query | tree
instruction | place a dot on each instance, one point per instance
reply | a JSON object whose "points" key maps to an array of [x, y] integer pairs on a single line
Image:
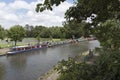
{"points": [[99, 11], [82, 9], [45, 33], [29, 30], [77, 29], [62, 33], [47, 5], [2, 33], [103, 9], [38, 30], [108, 34], [16, 33], [55, 32], [38, 38]]}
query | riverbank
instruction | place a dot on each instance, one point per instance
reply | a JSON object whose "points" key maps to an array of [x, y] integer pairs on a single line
{"points": [[3, 51], [50, 75], [53, 74]]}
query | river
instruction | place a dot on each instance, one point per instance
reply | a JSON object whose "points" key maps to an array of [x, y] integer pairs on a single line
{"points": [[31, 65]]}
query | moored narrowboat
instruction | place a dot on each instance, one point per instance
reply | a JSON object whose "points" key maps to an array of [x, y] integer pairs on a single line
{"points": [[21, 49]]}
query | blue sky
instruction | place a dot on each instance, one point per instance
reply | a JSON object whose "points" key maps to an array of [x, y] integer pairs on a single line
{"points": [[8, 1], [22, 12]]}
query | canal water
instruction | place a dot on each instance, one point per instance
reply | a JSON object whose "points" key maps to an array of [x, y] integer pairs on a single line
{"points": [[31, 65]]}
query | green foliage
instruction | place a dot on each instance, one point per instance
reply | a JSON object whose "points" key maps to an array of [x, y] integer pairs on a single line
{"points": [[47, 5], [16, 33], [56, 32], [77, 29], [71, 70], [2, 33], [29, 30], [106, 67], [38, 38], [105, 13], [103, 9], [38, 30], [46, 32], [98, 10], [108, 34]]}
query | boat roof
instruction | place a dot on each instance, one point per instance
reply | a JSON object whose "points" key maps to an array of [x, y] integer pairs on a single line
{"points": [[20, 46]]}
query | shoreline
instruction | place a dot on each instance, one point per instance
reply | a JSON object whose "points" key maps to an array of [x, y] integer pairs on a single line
{"points": [[3, 51], [52, 74]]}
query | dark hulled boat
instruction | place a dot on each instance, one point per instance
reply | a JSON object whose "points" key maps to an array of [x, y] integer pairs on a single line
{"points": [[21, 49]]}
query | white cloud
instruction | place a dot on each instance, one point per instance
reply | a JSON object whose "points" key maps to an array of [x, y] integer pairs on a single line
{"points": [[62, 8], [11, 17], [20, 12], [19, 4], [2, 5]]}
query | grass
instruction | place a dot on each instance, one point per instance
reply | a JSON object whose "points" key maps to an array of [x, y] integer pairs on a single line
{"points": [[3, 44]]}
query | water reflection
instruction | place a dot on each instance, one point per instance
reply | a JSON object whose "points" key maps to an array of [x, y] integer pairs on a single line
{"points": [[2, 70], [17, 62]]}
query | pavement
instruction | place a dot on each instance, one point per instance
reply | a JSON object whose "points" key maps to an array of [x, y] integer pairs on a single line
{"points": [[3, 51]]}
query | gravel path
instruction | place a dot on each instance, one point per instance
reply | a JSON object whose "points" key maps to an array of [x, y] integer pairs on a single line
{"points": [[3, 51], [51, 75]]}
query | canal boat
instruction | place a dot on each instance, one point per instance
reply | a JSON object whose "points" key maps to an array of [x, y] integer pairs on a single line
{"points": [[52, 44], [21, 49]]}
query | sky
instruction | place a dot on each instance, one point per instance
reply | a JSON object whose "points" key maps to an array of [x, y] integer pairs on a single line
{"points": [[22, 12]]}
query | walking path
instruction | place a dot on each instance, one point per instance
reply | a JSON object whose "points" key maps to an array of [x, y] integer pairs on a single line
{"points": [[3, 51], [50, 75]]}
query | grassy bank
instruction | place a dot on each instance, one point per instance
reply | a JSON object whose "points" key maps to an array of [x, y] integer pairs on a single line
{"points": [[32, 41], [5, 46]]}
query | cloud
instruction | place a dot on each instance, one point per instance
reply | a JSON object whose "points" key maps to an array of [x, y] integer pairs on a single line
{"points": [[21, 12], [19, 4]]}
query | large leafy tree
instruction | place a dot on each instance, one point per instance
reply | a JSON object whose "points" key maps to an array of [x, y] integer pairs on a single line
{"points": [[85, 8], [16, 33], [77, 29], [47, 5], [56, 32], [99, 11], [108, 34], [103, 9], [29, 30], [38, 38], [38, 30]]}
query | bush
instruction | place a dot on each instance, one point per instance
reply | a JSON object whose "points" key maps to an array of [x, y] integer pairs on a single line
{"points": [[106, 67]]}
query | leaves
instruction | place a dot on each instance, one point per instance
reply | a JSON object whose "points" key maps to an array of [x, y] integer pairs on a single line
{"points": [[2, 33], [38, 7], [16, 33], [108, 34], [106, 67], [47, 5]]}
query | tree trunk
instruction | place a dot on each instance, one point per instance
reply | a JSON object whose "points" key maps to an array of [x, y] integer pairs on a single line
{"points": [[15, 43]]}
